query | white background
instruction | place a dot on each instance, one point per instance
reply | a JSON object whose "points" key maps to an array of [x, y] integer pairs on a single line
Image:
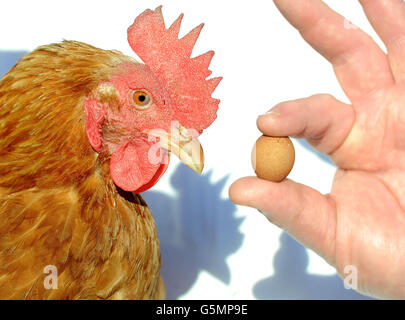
{"points": [[212, 248]]}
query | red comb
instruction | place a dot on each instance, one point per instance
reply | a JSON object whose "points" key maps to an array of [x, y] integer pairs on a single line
{"points": [[169, 59]]}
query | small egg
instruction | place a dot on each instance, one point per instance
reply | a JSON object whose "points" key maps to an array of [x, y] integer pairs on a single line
{"points": [[273, 158]]}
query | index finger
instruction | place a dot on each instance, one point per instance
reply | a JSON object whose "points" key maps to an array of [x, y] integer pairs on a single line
{"points": [[360, 65]]}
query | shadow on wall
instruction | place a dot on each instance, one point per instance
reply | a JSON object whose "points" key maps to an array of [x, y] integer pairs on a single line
{"points": [[9, 59], [291, 280], [197, 229]]}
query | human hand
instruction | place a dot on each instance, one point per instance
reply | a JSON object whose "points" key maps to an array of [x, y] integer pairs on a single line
{"points": [[361, 222]]}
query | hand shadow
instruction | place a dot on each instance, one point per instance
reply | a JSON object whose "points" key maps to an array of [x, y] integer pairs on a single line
{"points": [[291, 280], [197, 229]]}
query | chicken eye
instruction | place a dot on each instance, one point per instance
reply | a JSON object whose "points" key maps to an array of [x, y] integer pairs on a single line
{"points": [[142, 99]]}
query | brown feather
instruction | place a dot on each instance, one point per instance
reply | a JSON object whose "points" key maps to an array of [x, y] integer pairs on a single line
{"points": [[58, 204]]}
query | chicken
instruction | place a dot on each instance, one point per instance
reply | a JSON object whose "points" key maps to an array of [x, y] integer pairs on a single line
{"points": [[82, 132]]}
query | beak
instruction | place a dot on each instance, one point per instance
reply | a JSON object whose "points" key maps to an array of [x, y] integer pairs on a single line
{"points": [[180, 142]]}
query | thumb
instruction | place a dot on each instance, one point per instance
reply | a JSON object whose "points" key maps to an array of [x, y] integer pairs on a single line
{"points": [[303, 212]]}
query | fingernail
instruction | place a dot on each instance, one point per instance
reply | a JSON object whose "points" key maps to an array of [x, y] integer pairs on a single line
{"points": [[270, 113]]}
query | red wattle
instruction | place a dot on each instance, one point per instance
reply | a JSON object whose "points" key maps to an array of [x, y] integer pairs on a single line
{"points": [[159, 173], [132, 170]]}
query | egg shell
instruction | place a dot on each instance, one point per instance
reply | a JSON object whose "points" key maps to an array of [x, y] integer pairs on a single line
{"points": [[273, 158]]}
